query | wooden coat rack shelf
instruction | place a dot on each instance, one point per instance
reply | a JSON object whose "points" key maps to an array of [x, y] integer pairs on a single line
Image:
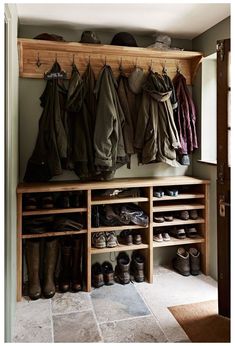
{"points": [[37, 57]]}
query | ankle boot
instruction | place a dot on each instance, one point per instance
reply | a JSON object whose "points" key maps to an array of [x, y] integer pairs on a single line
{"points": [[76, 277], [122, 269], [50, 260], [137, 266], [181, 262], [65, 273], [33, 264]]}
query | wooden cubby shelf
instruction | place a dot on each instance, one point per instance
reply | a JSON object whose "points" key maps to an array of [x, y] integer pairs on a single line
{"points": [[196, 189], [52, 234], [53, 211], [179, 222], [119, 248], [179, 242]]}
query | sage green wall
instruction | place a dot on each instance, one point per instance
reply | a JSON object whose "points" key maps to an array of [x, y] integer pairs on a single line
{"points": [[206, 43], [11, 165]]}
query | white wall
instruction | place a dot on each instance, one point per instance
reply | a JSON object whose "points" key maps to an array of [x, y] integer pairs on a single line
{"points": [[11, 165]]}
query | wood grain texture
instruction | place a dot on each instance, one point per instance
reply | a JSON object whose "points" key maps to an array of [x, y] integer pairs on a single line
{"points": [[179, 242], [81, 53]]}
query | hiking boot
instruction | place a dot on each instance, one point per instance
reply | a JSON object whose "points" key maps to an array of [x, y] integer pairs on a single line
{"points": [[194, 257], [122, 269], [137, 266], [178, 233], [111, 239], [193, 214], [50, 260], [97, 275], [108, 273], [99, 240], [126, 237], [33, 264], [137, 238], [181, 262]]}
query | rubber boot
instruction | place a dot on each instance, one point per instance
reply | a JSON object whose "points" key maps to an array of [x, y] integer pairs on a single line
{"points": [[33, 265], [65, 273], [76, 277], [50, 260]]}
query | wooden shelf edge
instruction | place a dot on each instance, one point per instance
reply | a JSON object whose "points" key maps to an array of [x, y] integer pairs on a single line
{"points": [[178, 222], [119, 248], [177, 207], [119, 200], [52, 234], [179, 197], [178, 242], [53, 211], [116, 228]]}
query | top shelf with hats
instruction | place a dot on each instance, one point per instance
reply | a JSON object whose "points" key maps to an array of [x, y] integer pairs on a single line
{"points": [[37, 57]]}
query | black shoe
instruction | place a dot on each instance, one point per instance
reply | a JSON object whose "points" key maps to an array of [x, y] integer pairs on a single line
{"points": [[126, 237], [108, 273]]}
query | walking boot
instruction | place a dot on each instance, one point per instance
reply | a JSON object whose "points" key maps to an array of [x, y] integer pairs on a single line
{"points": [[137, 266], [65, 272], [76, 277], [181, 262], [33, 265], [50, 260], [194, 257], [122, 269]]}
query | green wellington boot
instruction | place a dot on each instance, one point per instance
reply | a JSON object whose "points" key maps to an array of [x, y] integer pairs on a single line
{"points": [[50, 260], [33, 265]]}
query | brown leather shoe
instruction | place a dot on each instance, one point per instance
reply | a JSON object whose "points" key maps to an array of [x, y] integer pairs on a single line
{"points": [[137, 266], [97, 275], [108, 273]]}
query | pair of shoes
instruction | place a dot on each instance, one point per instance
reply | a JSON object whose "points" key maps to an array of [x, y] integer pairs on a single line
{"points": [[187, 262], [102, 274], [69, 200], [160, 236], [70, 273], [185, 215], [33, 203], [181, 233], [104, 239], [129, 237], [38, 224], [162, 218], [125, 268], [160, 192]]}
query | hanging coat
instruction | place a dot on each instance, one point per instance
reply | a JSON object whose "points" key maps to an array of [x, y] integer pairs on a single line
{"points": [[81, 124], [127, 101], [50, 150], [186, 116], [108, 139], [156, 137]]}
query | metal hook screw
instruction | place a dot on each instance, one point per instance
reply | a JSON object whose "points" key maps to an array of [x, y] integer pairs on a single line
{"points": [[38, 62]]}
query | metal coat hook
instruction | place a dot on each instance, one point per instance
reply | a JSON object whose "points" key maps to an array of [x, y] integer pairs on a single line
{"points": [[120, 65], [164, 69], [73, 62], [178, 67], [38, 62], [105, 60]]}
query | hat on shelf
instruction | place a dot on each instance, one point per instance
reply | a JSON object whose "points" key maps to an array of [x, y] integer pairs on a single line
{"points": [[89, 37], [124, 39], [162, 42], [49, 37]]}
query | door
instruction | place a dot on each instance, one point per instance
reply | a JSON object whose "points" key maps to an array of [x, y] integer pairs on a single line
{"points": [[223, 175]]}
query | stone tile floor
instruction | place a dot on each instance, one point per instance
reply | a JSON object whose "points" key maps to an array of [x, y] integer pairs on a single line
{"points": [[132, 313]]}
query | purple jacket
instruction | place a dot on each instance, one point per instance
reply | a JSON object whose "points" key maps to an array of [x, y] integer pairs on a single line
{"points": [[185, 116]]}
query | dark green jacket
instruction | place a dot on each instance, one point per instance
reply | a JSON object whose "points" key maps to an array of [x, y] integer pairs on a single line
{"points": [[108, 138], [50, 151], [156, 137]]}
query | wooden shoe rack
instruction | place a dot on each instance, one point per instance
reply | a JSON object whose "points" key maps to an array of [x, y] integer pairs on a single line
{"points": [[193, 194]]}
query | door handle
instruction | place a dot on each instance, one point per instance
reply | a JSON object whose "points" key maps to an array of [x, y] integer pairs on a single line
{"points": [[222, 205]]}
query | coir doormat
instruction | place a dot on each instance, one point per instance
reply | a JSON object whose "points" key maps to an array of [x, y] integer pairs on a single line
{"points": [[201, 321]]}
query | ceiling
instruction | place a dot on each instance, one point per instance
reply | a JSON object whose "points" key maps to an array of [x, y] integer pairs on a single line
{"points": [[185, 20]]}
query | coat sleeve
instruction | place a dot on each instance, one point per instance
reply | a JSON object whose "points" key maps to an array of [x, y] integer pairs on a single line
{"points": [[142, 121], [105, 134]]}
